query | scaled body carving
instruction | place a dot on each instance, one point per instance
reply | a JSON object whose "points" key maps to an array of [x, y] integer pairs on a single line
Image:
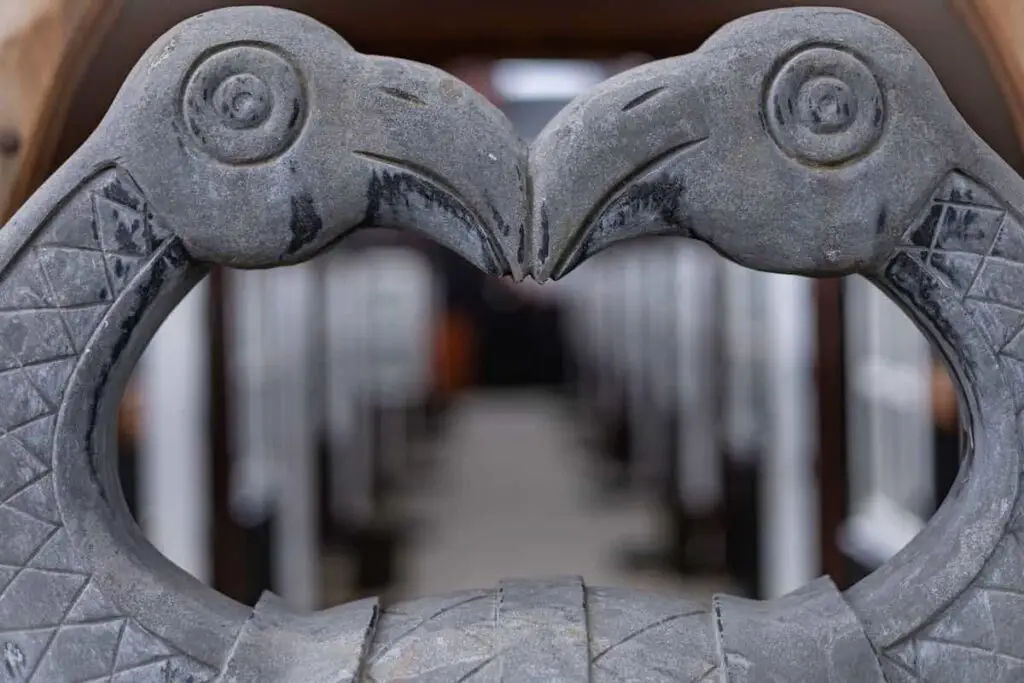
{"points": [[807, 141]]}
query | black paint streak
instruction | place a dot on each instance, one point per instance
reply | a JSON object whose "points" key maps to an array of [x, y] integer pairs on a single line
{"points": [[627, 197], [924, 234], [296, 110], [402, 95], [17, 660], [716, 606], [661, 196], [125, 234], [393, 187], [116, 192], [440, 190], [544, 249], [883, 218], [961, 230], [925, 295], [499, 221], [521, 252], [637, 101], [305, 223], [962, 195], [145, 293], [879, 113]]}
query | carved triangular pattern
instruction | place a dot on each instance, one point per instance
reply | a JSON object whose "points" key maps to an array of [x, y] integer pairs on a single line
{"points": [[988, 274], [54, 623]]}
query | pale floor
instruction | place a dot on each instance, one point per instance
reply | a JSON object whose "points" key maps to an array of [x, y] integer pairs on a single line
{"points": [[514, 497]]}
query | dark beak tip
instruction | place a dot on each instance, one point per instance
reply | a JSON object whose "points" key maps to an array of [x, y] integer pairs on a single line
{"points": [[539, 278], [548, 270], [516, 272]]}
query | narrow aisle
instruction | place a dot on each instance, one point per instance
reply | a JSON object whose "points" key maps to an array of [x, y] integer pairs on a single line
{"points": [[513, 498]]}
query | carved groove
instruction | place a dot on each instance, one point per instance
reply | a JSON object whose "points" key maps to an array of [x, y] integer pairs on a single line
{"points": [[478, 224], [640, 99], [824, 106], [578, 240], [400, 94], [953, 235], [244, 103], [49, 275]]}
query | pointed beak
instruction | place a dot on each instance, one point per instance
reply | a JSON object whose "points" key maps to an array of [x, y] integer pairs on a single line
{"points": [[443, 161], [613, 166]]}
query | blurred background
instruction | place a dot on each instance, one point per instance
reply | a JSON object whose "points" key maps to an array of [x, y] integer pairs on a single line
{"points": [[387, 420]]}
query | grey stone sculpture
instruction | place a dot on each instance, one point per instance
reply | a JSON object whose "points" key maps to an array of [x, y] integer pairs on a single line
{"points": [[809, 141]]}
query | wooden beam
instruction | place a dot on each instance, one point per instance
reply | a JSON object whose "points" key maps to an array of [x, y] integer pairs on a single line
{"points": [[44, 48], [440, 33], [998, 26], [832, 457], [527, 27]]}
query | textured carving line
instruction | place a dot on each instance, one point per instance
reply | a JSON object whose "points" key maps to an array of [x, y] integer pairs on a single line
{"points": [[1008, 227], [578, 240], [65, 269]]}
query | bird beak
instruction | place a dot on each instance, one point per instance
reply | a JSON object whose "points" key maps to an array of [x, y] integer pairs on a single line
{"points": [[613, 165], [443, 161]]}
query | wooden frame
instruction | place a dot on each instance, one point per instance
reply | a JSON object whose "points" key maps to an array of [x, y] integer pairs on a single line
{"points": [[45, 47], [998, 26]]}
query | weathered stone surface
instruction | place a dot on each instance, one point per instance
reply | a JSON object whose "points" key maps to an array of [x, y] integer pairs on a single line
{"points": [[279, 645], [811, 141], [811, 634]]}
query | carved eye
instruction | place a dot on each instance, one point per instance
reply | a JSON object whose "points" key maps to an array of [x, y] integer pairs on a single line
{"points": [[244, 103], [824, 107]]}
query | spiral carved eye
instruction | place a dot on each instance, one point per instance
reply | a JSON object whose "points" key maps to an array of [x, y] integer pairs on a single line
{"points": [[244, 104], [824, 107]]}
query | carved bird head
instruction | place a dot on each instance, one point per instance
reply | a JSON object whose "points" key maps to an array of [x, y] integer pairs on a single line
{"points": [[263, 137], [799, 141]]}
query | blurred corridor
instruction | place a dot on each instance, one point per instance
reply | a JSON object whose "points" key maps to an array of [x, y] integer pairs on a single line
{"points": [[514, 496]]}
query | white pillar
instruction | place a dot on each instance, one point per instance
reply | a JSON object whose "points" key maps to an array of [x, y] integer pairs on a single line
{"points": [[601, 301], [253, 482], [790, 495], [890, 436], [289, 329], [348, 431], [700, 472], [174, 457], [743, 418], [634, 338], [400, 309]]}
